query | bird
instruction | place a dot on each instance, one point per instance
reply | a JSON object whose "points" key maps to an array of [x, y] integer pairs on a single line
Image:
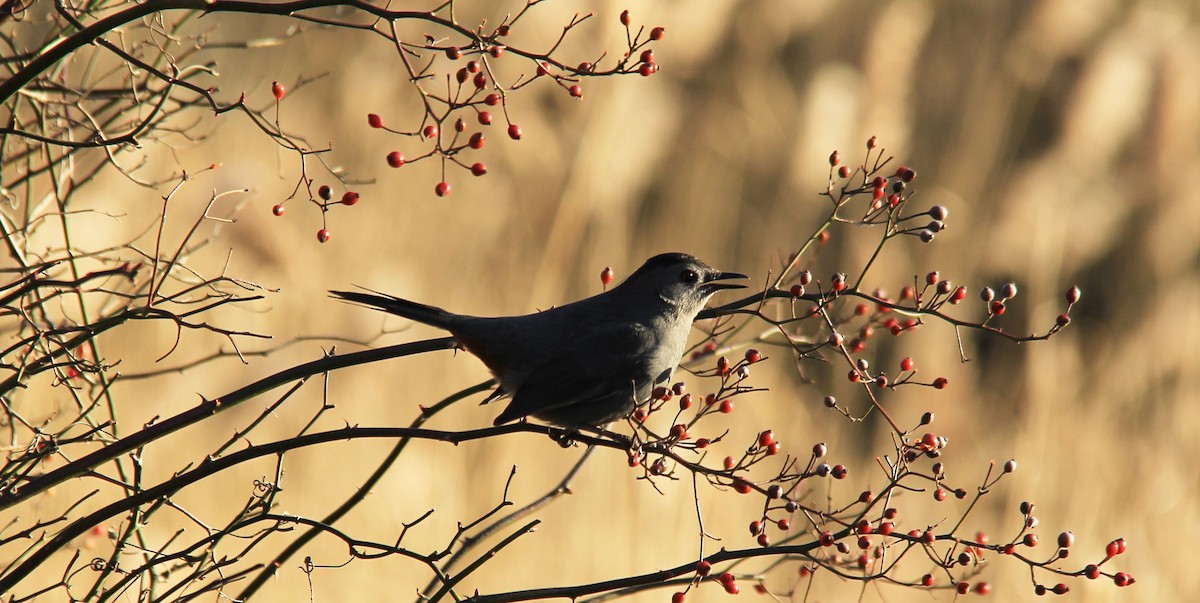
{"points": [[589, 362]]}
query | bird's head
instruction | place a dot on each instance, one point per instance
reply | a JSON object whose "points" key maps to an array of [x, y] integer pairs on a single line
{"points": [[680, 280]]}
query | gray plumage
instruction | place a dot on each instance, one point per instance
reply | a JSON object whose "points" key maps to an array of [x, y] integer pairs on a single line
{"points": [[588, 362]]}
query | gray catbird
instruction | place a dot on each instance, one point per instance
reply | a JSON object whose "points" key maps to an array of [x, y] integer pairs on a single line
{"points": [[589, 362]]}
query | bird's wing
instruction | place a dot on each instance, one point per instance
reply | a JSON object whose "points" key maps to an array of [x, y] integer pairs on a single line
{"points": [[596, 366]]}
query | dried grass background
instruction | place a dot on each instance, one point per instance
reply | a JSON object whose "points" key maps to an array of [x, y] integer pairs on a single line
{"points": [[1061, 134]]}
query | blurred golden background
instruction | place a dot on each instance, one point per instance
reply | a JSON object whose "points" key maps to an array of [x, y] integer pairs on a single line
{"points": [[1062, 135]]}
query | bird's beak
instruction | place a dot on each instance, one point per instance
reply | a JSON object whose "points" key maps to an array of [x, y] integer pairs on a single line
{"points": [[712, 286]]}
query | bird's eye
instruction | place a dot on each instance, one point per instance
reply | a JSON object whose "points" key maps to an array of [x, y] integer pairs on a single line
{"points": [[689, 276]]}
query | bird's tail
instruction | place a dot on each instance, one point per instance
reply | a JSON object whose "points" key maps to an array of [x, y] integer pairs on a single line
{"points": [[422, 313]]}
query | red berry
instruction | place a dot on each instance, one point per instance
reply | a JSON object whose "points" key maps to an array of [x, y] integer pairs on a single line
{"points": [[766, 438], [453, 53], [871, 143], [959, 295], [685, 402], [679, 431], [963, 587], [927, 580], [278, 210], [677, 597], [844, 172], [478, 169], [834, 159], [1073, 295], [657, 33], [839, 472], [514, 132], [726, 406], [496, 51], [476, 141], [931, 278], [625, 18], [1123, 579], [783, 525], [480, 80], [927, 537], [1062, 320], [764, 540], [728, 463], [374, 120], [929, 441], [1115, 547], [395, 159], [906, 364], [996, 307], [325, 192], [703, 568], [278, 90], [723, 365], [460, 125], [647, 56], [982, 588], [742, 487], [430, 131], [647, 69], [323, 235], [503, 30], [826, 538], [606, 276], [576, 91], [753, 356], [349, 198], [485, 118], [492, 99], [1030, 540], [797, 290], [1066, 539], [442, 189], [940, 383], [473, 66], [1060, 589]]}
